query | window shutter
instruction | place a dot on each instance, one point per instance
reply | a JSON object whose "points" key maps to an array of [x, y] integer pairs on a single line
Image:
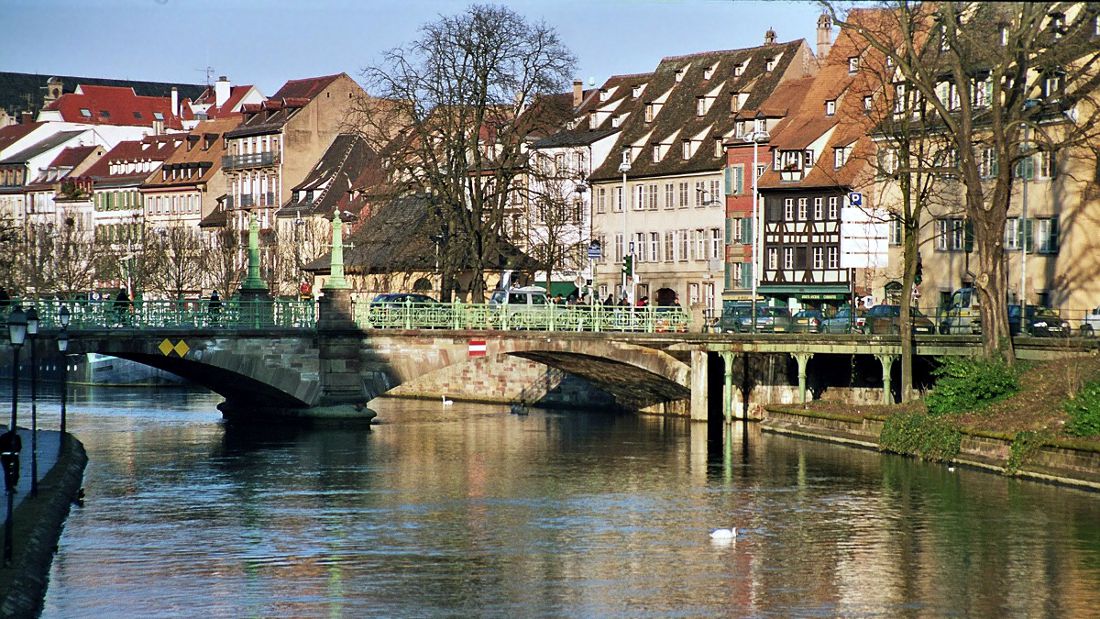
{"points": [[1027, 244], [746, 275], [729, 232], [968, 237], [729, 272], [746, 230], [994, 166], [1052, 245], [728, 175]]}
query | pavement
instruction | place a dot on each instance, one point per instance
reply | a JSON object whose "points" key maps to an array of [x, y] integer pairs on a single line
{"points": [[49, 444]]}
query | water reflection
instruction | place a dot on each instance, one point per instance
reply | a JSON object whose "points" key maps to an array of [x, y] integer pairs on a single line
{"points": [[470, 510]]}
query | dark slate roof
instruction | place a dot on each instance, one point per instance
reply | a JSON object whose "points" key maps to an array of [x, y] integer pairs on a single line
{"points": [[677, 119], [574, 137], [331, 179], [397, 239], [38, 148], [14, 87]]}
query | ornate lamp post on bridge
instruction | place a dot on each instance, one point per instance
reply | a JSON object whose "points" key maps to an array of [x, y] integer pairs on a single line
{"points": [[32, 331], [9, 452], [63, 347], [628, 250], [17, 333]]}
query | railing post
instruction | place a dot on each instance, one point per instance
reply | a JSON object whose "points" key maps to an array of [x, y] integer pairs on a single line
{"points": [[553, 309], [408, 313], [456, 313]]}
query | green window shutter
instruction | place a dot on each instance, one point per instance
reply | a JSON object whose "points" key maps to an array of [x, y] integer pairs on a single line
{"points": [[968, 236], [1052, 245], [729, 276], [729, 231], [995, 167], [1027, 244], [739, 180], [728, 176], [746, 275], [746, 230]]}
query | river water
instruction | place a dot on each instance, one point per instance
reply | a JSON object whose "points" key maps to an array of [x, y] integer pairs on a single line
{"points": [[468, 510]]}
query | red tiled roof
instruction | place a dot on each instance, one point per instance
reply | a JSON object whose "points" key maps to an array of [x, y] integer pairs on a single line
{"points": [[13, 133], [305, 88], [150, 148], [72, 156], [121, 105]]}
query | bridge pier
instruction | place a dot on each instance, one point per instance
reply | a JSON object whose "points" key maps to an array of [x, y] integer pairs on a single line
{"points": [[803, 359], [699, 400], [727, 386], [887, 362]]}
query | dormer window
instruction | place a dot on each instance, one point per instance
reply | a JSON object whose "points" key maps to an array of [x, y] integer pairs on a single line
{"points": [[1004, 36], [853, 64], [636, 91], [1058, 24], [656, 153], [889, 61], [735, 102], [592, 121], [158, 116], [700, 106], [679, 75], [868, 102], [603, 94], [761, 124], [718, 147], [616, 120], [769, 64], [1052, 85], [830, 107], [738, 69], [740, 128], [686, 149], [840, 156], [708, 72], [85, 112], [649, 112]]}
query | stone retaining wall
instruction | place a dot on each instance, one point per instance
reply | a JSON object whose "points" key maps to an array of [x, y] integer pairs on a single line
{"points": [[1060, 464], [38, 523]]}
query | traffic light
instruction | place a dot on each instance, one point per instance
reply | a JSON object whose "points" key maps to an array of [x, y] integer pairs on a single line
{"points": [[628, 266]]}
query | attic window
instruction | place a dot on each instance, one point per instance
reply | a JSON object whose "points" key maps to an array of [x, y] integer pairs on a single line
{"points": [[158, 116], [593, 122], [603, 94], [656, 153], [679, 75], [718, 150], [830, 107], [649, 112], [708, 72], [700, 106], [735, 102], [104, 114], [616, 120], [1058, 24], [853, 64], [769, 64], [637, 90], [1004, 36], [137, 115], [738, 69], [686, 149], [85, 112], [867, 103], [840, 156]]}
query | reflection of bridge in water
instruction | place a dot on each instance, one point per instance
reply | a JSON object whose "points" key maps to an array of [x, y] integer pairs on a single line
{"points": [[280, 358]]}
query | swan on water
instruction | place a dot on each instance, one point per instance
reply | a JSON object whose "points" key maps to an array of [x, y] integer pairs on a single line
{"points": [[447, 402], [729, 533]]}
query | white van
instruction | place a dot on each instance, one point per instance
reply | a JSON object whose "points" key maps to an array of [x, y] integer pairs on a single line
{"points": [[525, 296]]}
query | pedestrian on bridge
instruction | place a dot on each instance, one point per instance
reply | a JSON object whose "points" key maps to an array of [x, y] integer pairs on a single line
{"points": [[215, 307], [122, 307]]}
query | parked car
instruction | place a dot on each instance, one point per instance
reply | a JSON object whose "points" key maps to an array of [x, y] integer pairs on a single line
{"points": [[527, 295], [842, 322], [883, 319], [1046, 322], [735, 318], [1014, 321], [773, 320], [807, 321], [1091, 324], [398, 299]]}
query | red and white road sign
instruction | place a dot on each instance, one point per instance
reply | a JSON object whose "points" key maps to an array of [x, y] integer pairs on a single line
{"points": [[477, 348]]}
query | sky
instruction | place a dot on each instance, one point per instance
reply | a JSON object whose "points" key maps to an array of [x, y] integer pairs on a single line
{"points": [[266, 43]]}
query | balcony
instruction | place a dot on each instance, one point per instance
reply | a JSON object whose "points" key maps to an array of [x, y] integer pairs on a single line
{"points": [[252, 160]]}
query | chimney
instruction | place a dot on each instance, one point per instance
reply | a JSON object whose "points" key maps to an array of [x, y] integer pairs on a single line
{"points": [[769, 37], [26, 118], [221, 92], [578, 93], [824, 36], [175, 102]]}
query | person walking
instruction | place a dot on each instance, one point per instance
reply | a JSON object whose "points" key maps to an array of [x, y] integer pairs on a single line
{"points": [[214, 307], [122, 306], [10, 446]]}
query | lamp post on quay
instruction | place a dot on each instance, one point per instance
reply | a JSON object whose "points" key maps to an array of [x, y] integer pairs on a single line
{"points": [[63, 347], [628, 250], [17, 332], [756, 137], [32, 331]]}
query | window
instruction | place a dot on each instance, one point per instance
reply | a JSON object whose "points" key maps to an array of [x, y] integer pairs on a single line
{"points": [[616, 120], [983, 92], [1012, 234], [868, 103], [619, 247], [712, 195], [718, 150], [649, 112], [85, 112], [670, 246], [834, 257], [1004, 36], [1052, 85], [833, 204], [715, 243], [700, 193], [638, 246], [708, 72], [686, 149], [700, 236], [701, 106], [601, 200], [740, 128], [840, 156], [559, 163], [656, 153], [853, 64], [639, 197], [788, 257], [808, 158], [802, 209], [679, 75], [735, 102], [738, 69], [655, 246], [830, 107], [1048, 235], [137, 115], [769, 64], [158, 116], [652, 191], [773, 256], [670, 196], [987, 166], [788, 209], [818, 208], [952, 235], [760, 124], [895, 231], [618, 199], [1047, 166], [683, 195], [637, 90], [604, 94], [735, 180], [684, 245], [819, 258]]}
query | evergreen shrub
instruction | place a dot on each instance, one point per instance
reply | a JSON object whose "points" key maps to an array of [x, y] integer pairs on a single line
{"points": [[1084, 411], [967, 383]]}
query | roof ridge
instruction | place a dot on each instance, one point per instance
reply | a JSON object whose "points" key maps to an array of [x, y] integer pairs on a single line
{"points": [[729, 51]]}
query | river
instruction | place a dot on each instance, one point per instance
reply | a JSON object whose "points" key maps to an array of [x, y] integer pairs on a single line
{"points": [[468, 510]]}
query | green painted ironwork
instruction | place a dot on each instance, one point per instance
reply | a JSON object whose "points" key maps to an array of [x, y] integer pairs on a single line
{"points": [[253, 281], [178, 313], [336, 279], [549, 317]]}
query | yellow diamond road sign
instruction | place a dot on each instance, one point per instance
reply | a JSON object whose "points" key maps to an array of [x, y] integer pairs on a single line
{"points": [[165, 347], [182, 348]]}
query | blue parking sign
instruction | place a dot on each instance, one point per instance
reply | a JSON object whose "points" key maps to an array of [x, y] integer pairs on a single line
{"points": [[855, 198]]}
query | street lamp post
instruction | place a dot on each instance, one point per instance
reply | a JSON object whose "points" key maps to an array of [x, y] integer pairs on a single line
{"points": [[32, 331], [756, 137], [17, 333], [63, 347], [628, 274]]}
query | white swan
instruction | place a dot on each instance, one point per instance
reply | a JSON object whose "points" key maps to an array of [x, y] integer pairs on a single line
{"points": [[447, 402], [729, 533]]}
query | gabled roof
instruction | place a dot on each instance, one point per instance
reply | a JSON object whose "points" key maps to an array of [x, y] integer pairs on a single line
{"points": [[203, 147], [306, 88], [208, 97], [325, 189], [13, 133], [150, 148], [676, 86], [16, 87], [72, 156], [38, 148], [574, 137], [114, 105]]}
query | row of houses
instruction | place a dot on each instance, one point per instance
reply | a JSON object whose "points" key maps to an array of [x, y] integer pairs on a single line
{"points": [[675, 184]]}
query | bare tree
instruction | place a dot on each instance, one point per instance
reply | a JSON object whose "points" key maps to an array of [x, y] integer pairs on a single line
{"points": [[223, 260], [76, 257], [1001, 72], [556, 217], [460, 98], [177, 256]]}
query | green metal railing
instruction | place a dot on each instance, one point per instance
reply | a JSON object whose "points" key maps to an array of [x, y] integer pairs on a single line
{"points": [[549, 317], [294, 314], [181, 313]]}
